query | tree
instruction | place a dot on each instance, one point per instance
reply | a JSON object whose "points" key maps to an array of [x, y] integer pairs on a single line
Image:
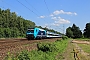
{"points": [[74, 32], [12, 25], [87, 31], [69, 32], [1, 33]]}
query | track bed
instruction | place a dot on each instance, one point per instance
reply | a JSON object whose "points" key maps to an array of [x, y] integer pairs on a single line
{"points": [[17, 45]]}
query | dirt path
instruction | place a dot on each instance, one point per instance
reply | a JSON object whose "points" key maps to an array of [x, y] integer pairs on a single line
{"points": [[17, 45], [75, 52], [68, 54], [81, 53]]}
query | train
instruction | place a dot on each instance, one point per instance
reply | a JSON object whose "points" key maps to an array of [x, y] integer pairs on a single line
{"points": [[38, 33]]}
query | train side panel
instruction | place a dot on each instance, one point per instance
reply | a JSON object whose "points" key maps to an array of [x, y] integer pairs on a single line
{"points": [[40, 33], [36, 33]]}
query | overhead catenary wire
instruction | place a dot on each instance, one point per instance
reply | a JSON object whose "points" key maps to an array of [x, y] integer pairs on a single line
{"points": [[47, 6], [28, 8], [21, 4], [9, 5], [49, 12], [63, 28], [32, 6], [3, 6], [35, 9]]}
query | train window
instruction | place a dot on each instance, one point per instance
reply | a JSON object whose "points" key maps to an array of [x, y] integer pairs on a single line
{"points": [[36, 30], [43, 32], [30, 31], [39, 33]]}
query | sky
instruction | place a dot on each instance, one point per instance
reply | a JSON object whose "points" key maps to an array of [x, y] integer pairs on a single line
{"points": [[53, 14]]}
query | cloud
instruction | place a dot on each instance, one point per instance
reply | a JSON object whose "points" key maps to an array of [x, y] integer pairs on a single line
{"points": [[54, 24], [47, 26], [62, 21], [75, 13], [59, 20], [54, 18], [42, 17], [57, 12], [51, 15]]}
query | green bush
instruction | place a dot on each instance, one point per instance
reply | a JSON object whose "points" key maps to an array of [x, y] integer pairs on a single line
{"points": [[10, 57], [46, 47], [64, 37], [23, 56]]}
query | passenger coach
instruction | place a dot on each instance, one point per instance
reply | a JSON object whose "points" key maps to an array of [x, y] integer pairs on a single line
{"points": [[37, 33]]}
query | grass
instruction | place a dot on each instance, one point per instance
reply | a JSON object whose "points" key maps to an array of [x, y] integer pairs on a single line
{"points": [[83, 39], [85, 47], [53, 51]]}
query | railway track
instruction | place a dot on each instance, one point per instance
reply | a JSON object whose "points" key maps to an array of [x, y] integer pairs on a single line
{"points": [[17, 45]]}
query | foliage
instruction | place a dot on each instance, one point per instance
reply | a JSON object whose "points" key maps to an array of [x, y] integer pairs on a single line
{"points": [[9, 57], [73, 32], [64, 37], [50, 30], [55, 48], [46, 47], [12, 25], [85, 47], [87, 31], [69, 32], [24, 55]]}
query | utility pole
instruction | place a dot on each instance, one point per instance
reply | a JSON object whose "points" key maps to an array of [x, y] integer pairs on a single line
{"points": [[63, 29]]}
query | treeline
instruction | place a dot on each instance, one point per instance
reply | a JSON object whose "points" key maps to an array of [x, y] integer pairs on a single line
{"points": [[12, 25], [51, 30], [75, 32]]}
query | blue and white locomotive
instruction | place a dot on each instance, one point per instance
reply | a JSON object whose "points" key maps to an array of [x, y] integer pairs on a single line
{"points": [[37, 33]]}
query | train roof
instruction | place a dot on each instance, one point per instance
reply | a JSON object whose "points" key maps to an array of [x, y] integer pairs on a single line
{"points": [[36, 28], [41, 29], [52, 33]]}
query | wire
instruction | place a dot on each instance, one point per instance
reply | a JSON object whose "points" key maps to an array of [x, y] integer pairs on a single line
{"points": [[32, 6], [8, 4], [46, 6], [28, 8], [34, 9], [3, 7]]}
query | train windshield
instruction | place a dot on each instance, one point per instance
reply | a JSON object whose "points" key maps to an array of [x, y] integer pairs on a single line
{"points": [[30, 31]]}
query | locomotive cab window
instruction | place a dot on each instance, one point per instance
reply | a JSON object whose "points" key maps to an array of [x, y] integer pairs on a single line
{"points": [[30, 31]]}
